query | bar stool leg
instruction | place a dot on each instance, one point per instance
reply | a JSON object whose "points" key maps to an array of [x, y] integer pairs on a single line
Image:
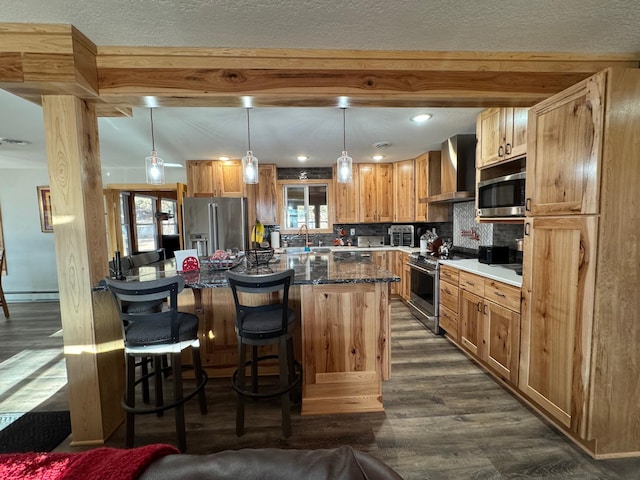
{"points": [[176, 363], [242, 358], [254, 369], [197, 366], [130, 398], [157, 376], [3, 301], [283, 359], [144, 370]]}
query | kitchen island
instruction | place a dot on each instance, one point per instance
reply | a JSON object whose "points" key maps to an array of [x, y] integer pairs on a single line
{"points": [[341, 302]]}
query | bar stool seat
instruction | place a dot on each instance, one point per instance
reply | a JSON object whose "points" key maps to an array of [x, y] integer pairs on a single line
{"points": [[154, 333], [264, 324]]}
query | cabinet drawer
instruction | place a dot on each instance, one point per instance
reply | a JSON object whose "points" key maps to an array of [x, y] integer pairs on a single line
{"points": [[506, 295], [449, 321], [472, 283], [449, 296], [449, 274]]}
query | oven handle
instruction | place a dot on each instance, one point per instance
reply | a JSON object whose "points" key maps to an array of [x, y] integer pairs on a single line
{"points": [[423, 270]]}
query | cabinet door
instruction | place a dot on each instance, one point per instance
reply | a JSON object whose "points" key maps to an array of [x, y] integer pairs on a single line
{"points": [[267, 200], [200, 178], [469, 321], [421, 174], [346, 198], [368, 192], [384, 197], [565, 141], [406, 281], [404, 191], [557, 316], [229, 178], [501, 340], [489, 130], [515, 132]]}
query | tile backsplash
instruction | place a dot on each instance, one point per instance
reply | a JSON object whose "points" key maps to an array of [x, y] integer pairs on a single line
{"points": [[464, 220]]}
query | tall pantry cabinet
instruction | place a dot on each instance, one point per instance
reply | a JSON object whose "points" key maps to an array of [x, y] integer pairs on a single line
{"points": [[580, 331]]}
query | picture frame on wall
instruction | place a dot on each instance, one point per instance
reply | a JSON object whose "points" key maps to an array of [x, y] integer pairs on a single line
{"points": [[44, 203]]}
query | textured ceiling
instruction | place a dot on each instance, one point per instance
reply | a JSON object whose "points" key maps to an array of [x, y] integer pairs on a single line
{"points": [[278, 135]]}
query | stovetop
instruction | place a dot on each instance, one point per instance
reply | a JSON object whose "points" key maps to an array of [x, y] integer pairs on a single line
{"points": [[431, 258]]}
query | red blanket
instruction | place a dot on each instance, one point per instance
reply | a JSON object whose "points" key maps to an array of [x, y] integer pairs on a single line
{"points": [[103, 463]]}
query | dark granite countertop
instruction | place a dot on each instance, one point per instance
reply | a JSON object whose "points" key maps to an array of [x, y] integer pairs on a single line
{"points": [[310, 269]]}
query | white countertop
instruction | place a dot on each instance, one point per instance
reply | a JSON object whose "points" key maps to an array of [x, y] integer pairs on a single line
{"points": [[495, 272]]}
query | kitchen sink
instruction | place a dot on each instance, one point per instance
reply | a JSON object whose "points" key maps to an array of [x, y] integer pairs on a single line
{"points": [[302, 250]]}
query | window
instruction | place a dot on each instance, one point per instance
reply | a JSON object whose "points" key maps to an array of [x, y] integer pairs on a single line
{"points": [[169, 225], [145, 223], [125, 223], [306, 205]]}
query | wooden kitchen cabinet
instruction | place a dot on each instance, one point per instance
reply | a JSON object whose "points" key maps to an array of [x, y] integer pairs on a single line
{"points": [[376, 192], [502, 135], [267, 194], [449, 301], [489, 322], [346, 198], [214, 177], [564, 167], [404, 191], [580, 331]]}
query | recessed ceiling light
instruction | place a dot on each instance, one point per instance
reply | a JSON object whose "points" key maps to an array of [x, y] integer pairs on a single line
{"points": [[302, 158], [224, 158], [422, 117], [377, 158]]}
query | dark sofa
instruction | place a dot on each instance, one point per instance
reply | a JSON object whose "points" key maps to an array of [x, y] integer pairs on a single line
{"points": [[272, 464]]}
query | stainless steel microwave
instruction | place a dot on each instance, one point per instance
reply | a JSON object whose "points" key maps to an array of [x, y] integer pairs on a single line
{"points": [[502, 197]]}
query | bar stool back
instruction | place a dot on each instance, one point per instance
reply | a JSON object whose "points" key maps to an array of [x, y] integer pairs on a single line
{"points": [[264, 324]]}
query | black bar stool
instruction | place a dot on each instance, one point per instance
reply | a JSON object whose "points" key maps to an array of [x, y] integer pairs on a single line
{"points": [[152, 332], [264, 324]]}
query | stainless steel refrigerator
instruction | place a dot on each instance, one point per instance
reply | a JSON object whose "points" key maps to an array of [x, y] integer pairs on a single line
{"points": [[215, 223]]}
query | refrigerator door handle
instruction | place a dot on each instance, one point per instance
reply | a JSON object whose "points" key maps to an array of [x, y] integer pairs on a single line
{"points": [[213, 227]]}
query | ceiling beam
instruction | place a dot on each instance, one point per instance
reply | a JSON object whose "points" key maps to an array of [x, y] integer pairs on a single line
{"points": [[58, 59]]}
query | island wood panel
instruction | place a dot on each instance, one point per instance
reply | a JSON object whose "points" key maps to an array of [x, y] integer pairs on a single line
{"points": [[92, 333], [216, 330], [345, 337]]}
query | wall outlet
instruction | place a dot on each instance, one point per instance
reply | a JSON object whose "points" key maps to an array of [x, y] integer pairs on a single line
{"points": [[352, 231]]}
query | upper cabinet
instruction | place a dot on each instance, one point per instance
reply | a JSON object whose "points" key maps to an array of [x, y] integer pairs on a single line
{"points": [[267, 195], [214, 177], [346, 201], [565, 145], [426, 178], [404, 191], [376, 192], [502, 135]]}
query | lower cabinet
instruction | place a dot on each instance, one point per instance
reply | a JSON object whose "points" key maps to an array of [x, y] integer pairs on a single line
{"points": [[488, 321], [449, 301]]}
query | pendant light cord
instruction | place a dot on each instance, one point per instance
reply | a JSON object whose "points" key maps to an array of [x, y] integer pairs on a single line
{"points": [[248, 130], [344, 130], [153, 140]]}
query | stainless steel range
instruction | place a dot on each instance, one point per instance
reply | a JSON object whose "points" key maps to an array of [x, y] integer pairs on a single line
{"points": [[425, 290]]}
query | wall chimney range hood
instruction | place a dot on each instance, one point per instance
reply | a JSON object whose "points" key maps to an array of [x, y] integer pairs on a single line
{"points": [[457, 171]]}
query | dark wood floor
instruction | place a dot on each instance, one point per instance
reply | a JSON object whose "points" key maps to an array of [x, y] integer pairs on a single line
{"points": [[444, 419]]}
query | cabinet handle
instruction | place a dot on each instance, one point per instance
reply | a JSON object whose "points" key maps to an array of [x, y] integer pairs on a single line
{"points": [[500, 294], [507, 149], [527, 228], [501, 151], [479, 306], [527, 204], [485, 309]]}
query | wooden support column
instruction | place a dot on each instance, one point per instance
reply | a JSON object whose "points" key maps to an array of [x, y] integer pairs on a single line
{"points": [[91, 328]]}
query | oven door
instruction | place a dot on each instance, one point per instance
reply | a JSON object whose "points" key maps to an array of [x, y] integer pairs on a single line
{"points": [[423, 299]]}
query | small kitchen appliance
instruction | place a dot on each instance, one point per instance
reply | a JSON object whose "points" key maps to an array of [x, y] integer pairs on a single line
{"points": [[493, 254]]}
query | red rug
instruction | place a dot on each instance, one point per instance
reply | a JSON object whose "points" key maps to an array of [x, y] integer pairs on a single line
{"points": [[103, 463]]}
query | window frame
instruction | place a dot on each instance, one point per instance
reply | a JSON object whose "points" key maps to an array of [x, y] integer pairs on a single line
{"points": [[324, 182]]}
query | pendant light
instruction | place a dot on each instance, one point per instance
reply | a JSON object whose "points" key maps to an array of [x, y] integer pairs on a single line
{"points": [[249, 162], [345, 162], [154, 165]]}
